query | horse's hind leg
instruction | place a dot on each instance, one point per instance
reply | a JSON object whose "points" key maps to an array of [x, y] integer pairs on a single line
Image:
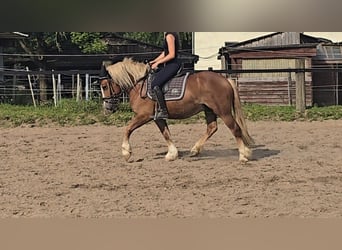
{"points": [[211, 120], [244, 151], [172, 153]]}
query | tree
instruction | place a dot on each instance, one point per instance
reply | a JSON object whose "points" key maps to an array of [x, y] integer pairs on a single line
{"points": [[89, 42], [157, 38], [41, 43]]}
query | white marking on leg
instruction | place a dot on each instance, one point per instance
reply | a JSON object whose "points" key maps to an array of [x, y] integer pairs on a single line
{"points": [[244, 153], [126, 150], [197, 148], [172, 153]]}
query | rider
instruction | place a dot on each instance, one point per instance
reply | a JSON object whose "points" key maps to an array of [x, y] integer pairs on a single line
{"points": [[171, 64]]}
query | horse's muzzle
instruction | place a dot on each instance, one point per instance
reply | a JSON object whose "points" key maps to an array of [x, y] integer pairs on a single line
{"points": [[110, 105]]}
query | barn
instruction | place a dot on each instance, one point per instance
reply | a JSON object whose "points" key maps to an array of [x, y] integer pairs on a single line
{"points": [[285, 50], [8, 41], [8, 44]]}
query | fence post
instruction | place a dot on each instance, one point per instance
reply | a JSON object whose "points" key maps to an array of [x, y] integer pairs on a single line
{"points": [[54, 89], [78, 86], [42, 87], [300, 87], [31, 88], [87, 87], [59, 88], [73, 86], [289, 81], [336, 88], [14, 84]]}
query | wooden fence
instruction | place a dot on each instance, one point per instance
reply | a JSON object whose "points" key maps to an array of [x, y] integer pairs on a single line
{"points": [[44, 85]]}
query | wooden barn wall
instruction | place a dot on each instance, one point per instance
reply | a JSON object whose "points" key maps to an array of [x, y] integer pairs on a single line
{"points": [[277, 88], [272, 93], [281, 63]]}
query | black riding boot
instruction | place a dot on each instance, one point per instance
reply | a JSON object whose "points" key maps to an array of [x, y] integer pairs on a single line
{"points": [[162, 110]]}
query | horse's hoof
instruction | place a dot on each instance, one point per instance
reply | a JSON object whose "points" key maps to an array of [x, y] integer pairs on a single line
{"points": [[248, 153], [193, 153], [169, 158], [243, 159], [245, 154], [126, 156], [172, 153]]}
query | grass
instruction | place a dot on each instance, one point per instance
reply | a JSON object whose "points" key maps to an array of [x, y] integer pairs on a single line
{"points": [[256, 112], [72, 113]]}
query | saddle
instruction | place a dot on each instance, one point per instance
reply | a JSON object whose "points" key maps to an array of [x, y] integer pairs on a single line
{"points": [[173, 89]]}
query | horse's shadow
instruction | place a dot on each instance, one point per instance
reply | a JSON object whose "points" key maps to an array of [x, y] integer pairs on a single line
{"points": [[259, 152]]}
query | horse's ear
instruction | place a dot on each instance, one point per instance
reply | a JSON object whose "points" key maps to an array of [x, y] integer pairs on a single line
{"points": [[103, 71], [117, 59]]}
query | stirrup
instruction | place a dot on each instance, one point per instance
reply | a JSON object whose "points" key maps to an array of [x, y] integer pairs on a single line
{"points": [[160, 115]]}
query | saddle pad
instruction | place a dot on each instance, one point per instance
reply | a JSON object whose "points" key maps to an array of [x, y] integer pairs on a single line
{"points": [[173, 89]]}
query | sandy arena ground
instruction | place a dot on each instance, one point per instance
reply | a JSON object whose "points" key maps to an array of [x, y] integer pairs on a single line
{"points": [[69, 172]]}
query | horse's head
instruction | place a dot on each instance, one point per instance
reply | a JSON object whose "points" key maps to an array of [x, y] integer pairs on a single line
{"points": [[111, 92], [123, 75]]}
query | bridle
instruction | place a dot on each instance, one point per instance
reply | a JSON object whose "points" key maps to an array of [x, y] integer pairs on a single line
{"points": [[112, 93]]}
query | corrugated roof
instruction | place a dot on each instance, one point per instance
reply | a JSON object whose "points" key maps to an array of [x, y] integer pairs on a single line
{"points": [[281, 39], [329, 52]]}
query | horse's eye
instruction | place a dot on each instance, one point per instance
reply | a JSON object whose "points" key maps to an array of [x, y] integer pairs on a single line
{"points": [[104, 87]]}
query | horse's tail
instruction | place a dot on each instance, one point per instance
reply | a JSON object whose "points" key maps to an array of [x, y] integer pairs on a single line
{"points": [[239, 116]]}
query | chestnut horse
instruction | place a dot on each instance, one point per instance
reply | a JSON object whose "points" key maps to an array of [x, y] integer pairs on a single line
{"points": [[205, 91]]}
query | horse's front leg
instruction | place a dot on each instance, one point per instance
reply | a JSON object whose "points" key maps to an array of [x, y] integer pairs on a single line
{"points": [[172, 153], [136, 122]]}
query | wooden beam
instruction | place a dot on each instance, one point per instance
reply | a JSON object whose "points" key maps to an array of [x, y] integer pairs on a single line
{"points": [[300, 87], [285, 53]]}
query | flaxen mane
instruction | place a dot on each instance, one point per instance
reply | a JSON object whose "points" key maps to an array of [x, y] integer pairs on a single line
{"points": [[127, 72]]}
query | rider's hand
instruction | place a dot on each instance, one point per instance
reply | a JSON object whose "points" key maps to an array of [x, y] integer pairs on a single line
{"points": [[155, 65]]}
